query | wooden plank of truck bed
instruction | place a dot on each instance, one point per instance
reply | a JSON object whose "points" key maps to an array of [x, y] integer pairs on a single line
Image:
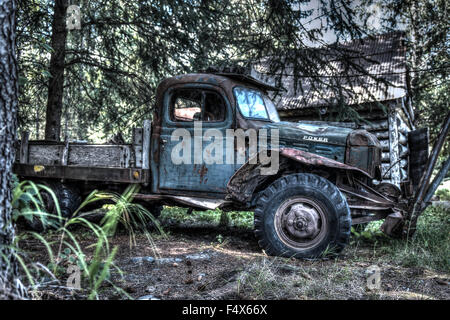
{"points": [[123, 175]]}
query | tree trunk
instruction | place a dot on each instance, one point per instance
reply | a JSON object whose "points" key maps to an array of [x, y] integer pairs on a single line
{"points": [[56, 82], [10, 286]]}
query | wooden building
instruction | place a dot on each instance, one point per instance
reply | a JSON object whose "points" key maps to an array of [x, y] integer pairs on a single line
{"points": [[363, 85]]}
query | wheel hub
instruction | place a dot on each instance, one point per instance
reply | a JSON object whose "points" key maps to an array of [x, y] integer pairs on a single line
{"points": [[302, 222]]}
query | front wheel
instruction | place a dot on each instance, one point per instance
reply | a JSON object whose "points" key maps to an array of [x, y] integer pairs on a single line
{"points": [[302, 216]]}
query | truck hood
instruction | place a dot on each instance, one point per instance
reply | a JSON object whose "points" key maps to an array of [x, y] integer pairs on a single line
{"points": [[294, 133]]}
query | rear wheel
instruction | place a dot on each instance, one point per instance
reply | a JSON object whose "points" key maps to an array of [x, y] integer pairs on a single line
{"points": [[154, 208], [302, 216], [69, 199]]}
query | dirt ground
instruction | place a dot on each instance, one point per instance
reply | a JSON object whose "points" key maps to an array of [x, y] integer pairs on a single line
{"points": [[194, 262]]}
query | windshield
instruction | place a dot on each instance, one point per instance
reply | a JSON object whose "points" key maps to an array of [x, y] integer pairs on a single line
{"points": [[253, 104]]}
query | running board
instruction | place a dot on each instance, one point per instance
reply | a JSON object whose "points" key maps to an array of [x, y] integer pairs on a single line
{"points": [[202, 203]]}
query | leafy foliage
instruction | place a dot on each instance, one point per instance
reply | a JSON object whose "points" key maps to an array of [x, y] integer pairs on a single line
{"points": [[426, 26], [63, 244], [123, 49], [429, 248], [443, 194], [239, 219]]}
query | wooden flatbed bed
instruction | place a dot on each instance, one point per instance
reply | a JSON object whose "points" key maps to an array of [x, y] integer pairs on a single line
{"points": [[121, 163]]}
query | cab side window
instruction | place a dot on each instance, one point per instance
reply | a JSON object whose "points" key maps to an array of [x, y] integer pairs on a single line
{"points": [[213, 108], [186, 105], [196, 105]]}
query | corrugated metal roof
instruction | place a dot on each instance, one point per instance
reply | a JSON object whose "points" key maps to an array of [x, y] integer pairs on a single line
{"points": [[366, 70]]}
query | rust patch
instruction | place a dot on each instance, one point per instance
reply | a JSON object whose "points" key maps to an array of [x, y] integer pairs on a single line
{"points": [[202, 171], [243, 183], [316, 160]]}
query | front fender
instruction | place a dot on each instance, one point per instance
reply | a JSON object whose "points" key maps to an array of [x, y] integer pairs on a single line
{"points": [[316, 160], [245, 180]]}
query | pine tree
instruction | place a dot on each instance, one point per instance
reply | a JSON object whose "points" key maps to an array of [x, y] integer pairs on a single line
{"points": [[113, 64], [56, 68], [10, 286]]}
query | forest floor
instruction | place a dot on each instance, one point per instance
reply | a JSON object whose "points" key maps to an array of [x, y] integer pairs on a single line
{"points": [[198, 259]]}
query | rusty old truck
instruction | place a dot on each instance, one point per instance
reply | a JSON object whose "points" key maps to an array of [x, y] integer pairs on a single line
{"points": [[326, 178]]}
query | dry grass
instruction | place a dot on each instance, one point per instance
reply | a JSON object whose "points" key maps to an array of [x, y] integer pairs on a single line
{"points": [[270, 278], [238, 269]]}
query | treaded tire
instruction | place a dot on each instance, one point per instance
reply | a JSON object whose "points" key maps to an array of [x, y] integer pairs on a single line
{"points": [[317, 189], [69, 199], [154, 208]]}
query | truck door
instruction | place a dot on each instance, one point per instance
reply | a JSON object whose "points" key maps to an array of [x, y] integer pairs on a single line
{"points": [[193, 118]]}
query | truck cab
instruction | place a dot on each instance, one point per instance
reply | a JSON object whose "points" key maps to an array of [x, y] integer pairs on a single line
{"points": [[202, 103]]}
